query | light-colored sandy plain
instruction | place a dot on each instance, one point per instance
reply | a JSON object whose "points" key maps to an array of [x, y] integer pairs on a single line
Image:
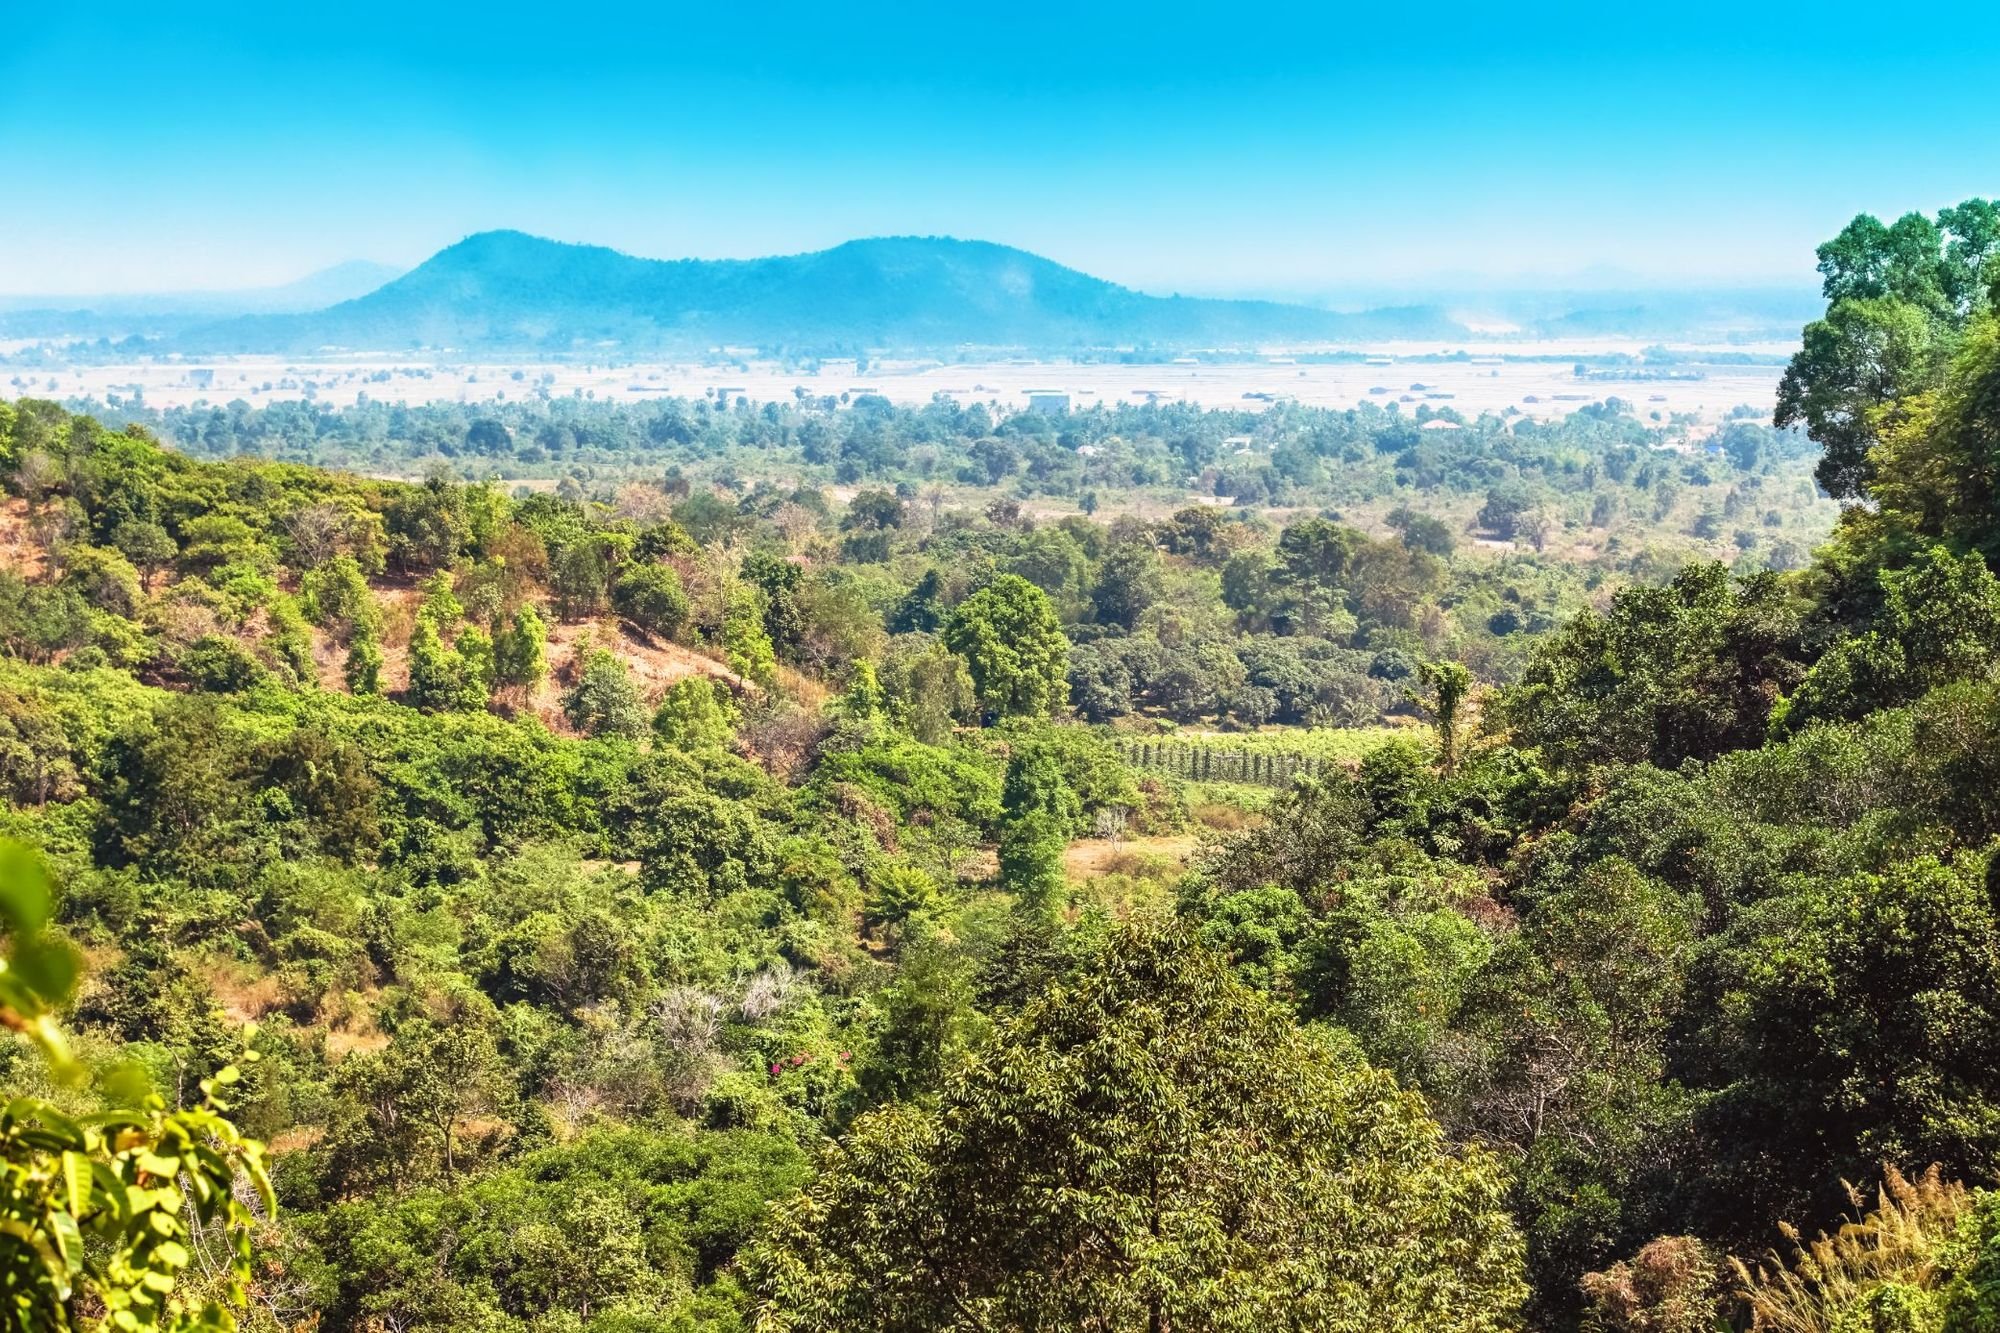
{"points": [[1537, 379]]}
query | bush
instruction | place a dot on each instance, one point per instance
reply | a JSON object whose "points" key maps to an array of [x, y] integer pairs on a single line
{"points": [[695, 715], [603, 701], [651, 597], [221, 665], [441, 680]]}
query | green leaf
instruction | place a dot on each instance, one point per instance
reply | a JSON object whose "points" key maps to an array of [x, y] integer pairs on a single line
{"points": [[154, 1164], [260, 1179], [24, 888], [52, 1263], [76, 1176], [69, 1240], [48, 966], [67, 1129]]}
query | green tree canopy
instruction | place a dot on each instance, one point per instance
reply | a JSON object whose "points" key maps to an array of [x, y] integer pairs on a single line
{"points": [[651, 597], [1013, 645], [1859, 1027], [1148, 1145], [1938, 465], [603, 701], [695, 715], [98, 1213], [1898, 297], [1940, 622], [1688, 671], [520, 654], [1038, 812]]}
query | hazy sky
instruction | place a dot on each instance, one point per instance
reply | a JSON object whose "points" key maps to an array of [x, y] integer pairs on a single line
{"points": [[152, 146]]}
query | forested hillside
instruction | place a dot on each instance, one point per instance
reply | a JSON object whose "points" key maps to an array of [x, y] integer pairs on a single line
{"points": [[727, 897]]}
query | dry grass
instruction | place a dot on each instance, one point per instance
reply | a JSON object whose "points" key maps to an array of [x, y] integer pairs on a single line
{"points": [[295, 1139], [348, 1041], [1672, 1285], [1089, 858], [811, 693], [1124, 897], [245, 995], [1223, 817], [980, 865], [1898, 1241], [655, 664]]}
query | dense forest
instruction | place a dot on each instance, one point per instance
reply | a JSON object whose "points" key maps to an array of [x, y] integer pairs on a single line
{"points": [[1600, 466], [733, 889]]}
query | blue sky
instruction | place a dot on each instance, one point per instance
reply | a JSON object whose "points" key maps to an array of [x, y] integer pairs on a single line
{"points": [[1213, 148]]}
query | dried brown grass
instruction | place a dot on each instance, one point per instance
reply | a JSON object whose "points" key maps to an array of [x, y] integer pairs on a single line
{"points": [[1897, 1241]]}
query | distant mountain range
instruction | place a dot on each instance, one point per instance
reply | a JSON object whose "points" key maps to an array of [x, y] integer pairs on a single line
{"points": [[507, 291], [160, 314]]}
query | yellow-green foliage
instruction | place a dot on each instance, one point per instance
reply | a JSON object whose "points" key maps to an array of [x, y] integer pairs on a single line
{"points": [[1881, 1273], [107, 1211]]}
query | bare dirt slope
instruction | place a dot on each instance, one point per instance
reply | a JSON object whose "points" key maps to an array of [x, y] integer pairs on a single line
{"points": [[19, 551]]}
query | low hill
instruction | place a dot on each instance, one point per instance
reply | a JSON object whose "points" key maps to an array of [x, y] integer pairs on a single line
{"points": [[504, 290]]}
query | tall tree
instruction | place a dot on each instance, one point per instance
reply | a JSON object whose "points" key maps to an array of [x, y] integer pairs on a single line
{"points": [[1898, 298], [520, 656], [1450, 683], [1013, 644], [1148, 1145], [1939, 622], [1037, 813], [603, 701], [694, 715]]}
